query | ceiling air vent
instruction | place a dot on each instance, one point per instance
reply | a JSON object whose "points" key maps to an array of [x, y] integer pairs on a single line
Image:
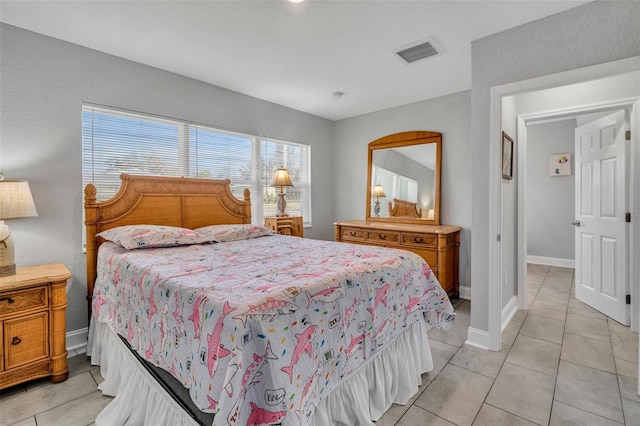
{"points": [[417, 51]]}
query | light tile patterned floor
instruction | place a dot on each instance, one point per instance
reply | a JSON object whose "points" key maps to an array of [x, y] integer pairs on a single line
{"points": [[561, 363]]}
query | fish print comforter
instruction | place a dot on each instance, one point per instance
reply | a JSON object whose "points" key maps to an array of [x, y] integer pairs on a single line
{"points": [[260, 330]]}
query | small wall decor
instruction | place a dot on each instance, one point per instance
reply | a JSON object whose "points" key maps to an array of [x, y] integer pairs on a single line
{"points": [[560, 165], [507, 156]]}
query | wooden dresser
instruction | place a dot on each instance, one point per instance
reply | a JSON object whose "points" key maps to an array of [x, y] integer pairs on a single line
{"points": [[286, 225], [438, 245], [33, 324]]}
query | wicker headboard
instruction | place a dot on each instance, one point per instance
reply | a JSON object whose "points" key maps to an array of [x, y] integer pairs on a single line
{"points": [[402, 208], [185, 202]]}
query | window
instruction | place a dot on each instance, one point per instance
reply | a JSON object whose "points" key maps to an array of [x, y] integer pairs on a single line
{"points": [[115, 142], [396, 185]]}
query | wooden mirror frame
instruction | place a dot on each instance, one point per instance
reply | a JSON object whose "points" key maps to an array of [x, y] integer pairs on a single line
{"points": [[397, 140]]}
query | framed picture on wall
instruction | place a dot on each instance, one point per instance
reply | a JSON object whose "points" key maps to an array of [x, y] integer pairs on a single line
{"points": [[507, 156], [560, 165]]}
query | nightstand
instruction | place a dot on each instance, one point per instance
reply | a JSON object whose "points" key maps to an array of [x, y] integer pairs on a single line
{"points": [[287, 225], [33, 324]]}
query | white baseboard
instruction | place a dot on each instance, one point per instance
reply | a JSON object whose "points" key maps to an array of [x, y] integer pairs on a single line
{"points": [[465, 292], [477, 338], [77, 341], [508, 312], [552, 261]]}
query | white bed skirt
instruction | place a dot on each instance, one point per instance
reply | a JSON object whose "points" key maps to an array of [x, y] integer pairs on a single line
{"points": [[391, 376]]}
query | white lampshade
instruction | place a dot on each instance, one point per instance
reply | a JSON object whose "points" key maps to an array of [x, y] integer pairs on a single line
{"points": [[281, 178], [378, 191], [16, 200]]}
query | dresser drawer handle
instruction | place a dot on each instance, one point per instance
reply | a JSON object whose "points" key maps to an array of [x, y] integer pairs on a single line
{"points": [[8, 299], [16, 340], [418, 240], [382, 236], [352, 233]]}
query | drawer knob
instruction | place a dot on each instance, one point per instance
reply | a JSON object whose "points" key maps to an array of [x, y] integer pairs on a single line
{"points": [[382, 236], [8, 299], [16, 340], [418, 240], [352, 233]]}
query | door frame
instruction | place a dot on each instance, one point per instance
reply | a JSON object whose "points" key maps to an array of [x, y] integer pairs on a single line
{"points": [[554, 115], [496, 93]]}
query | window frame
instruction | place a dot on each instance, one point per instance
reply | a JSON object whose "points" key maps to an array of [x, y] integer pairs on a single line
{"points": [[185, 143]]}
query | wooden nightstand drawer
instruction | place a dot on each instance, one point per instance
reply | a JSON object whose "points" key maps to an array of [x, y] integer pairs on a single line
{"points": [[26, 339], [421, 240], [383, 236], [23, 300], [32, 324]]}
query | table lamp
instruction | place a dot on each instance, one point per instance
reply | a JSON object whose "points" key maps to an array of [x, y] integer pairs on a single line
{"points": [[377, 192], [281, 178], [15, 202]]}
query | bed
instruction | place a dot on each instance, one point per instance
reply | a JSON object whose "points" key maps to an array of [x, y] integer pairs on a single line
{"points": [[256, 328]]}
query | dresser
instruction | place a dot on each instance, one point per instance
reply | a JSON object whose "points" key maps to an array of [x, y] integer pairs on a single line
{"points": [[286, 225], [33, 324], [438, 245]]}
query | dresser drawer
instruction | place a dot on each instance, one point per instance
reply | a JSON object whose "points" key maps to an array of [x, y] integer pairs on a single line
{"points": [[26, 339], [382, 236], [353, 234], [23, 300], [420, 240], [429, 255]]}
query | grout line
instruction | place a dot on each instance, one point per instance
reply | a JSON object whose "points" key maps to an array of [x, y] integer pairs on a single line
{"points": [[615, 367]]}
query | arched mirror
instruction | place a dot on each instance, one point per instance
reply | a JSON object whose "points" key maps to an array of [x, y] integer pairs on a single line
{"points": [[403, 181]]}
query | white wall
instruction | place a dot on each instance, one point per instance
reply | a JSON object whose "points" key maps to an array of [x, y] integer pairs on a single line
{"points": [[509, 208], [550, 199], [44, 83], [595, 33], [448, 115]]}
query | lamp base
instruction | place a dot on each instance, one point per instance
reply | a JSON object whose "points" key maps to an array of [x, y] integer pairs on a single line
{"points": [[7, 252], [7, 270], [282, 205], [376, 208]]}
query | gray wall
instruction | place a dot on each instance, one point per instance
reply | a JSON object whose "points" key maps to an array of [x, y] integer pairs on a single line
{"points": [[550, 199], [449, 115], [594, 33], [44, 82]]}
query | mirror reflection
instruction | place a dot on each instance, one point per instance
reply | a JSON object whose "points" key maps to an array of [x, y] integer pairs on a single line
{"points": [[404, 181]]}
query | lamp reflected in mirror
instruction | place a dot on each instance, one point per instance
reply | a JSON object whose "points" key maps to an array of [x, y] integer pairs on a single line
{"points": [[377, 192]]}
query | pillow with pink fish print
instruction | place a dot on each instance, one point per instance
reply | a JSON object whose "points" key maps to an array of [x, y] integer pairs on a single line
{"points": [[225, 233], [152, 236]]}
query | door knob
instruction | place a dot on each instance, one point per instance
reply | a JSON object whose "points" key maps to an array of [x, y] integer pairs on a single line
{"points": [[576, 223]]}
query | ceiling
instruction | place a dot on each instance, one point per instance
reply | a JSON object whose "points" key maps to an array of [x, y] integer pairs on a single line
{"points": [[296, 55]]}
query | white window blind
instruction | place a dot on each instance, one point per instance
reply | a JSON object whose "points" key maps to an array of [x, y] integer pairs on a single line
{"points": [[115, 142]]}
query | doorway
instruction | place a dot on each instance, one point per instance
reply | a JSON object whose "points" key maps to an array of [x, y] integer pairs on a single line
{"points": [[495, 296], [524, 121]]}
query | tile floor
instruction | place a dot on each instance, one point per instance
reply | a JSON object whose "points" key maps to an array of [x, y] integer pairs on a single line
{"points": [[561, 363]]}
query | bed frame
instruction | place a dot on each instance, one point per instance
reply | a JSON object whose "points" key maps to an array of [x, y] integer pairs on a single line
{"points": [[154, 200], [402, 208]]}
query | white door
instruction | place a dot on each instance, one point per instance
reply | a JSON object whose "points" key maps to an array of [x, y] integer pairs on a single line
{"points": [[601, 204]]}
